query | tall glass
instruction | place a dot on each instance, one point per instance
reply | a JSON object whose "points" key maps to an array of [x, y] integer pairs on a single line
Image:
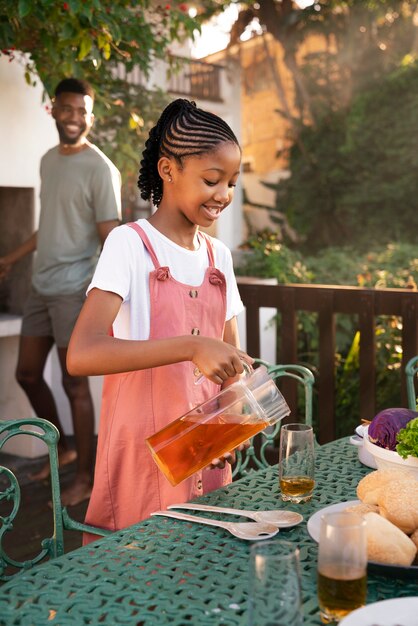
{"points": [[296, 462], [275, 597], [342, 565]]}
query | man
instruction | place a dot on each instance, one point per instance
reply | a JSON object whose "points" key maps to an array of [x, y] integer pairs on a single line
{"points": [[80, 204]]}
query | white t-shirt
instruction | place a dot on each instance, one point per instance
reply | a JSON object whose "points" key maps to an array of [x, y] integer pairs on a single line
{"points": [[124, 267]]}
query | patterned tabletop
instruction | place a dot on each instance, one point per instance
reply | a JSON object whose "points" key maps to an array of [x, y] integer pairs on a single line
{"points": [[167, 572]]}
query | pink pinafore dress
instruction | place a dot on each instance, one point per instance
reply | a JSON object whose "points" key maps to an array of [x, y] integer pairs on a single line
{"points": [[128, 486]]}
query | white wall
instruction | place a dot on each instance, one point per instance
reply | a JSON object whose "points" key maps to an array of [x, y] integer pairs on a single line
{"points": [[27, 131], [230, 226]]}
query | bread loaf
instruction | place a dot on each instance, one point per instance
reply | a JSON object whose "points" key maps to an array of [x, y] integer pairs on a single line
{"points": [[386, 543], [362, 508], [398, 503], [371, 486], [414, 537]]}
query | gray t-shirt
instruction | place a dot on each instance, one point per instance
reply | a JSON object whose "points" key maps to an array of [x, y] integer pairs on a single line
{"points": [[77, 192]]}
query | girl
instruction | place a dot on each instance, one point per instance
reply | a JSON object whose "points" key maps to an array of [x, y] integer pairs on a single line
{"points": [[169, 295]]}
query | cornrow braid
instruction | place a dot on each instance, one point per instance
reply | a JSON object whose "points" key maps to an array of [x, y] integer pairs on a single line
{"points": [[183, 130]]}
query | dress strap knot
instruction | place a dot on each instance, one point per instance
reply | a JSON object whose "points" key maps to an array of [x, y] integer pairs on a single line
{"points": [[216, 277], [163, 273]]}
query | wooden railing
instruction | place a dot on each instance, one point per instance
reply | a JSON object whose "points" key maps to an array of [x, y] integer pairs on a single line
{"points": [[327, 301], [197, 79], [194, 79]]}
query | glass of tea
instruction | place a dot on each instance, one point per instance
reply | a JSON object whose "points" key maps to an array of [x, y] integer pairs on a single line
{"points": [[342, 565], [274, 584], [296, 462]]}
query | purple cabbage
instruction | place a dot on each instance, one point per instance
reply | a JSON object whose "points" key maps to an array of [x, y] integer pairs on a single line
{"points": [[385, 426]]}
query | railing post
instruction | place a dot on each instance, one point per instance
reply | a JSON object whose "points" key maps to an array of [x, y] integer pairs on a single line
{"points": [[409, 337], [288, 346], [253, 323], [367, 360], [326, 385]]}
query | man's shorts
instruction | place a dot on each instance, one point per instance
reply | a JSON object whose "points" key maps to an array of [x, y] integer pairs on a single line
{"points": [[52, 316]]}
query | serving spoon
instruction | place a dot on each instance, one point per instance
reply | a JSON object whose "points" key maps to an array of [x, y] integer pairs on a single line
{"points": [[242, 530], [281, 519]]}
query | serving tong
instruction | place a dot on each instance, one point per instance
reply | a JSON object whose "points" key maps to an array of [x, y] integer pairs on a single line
{"points": [[242, 530], [280, 518], [266, 525]]}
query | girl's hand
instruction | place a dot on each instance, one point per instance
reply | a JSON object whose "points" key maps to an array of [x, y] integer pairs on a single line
{"points": [[229, 457], [218, 360]]}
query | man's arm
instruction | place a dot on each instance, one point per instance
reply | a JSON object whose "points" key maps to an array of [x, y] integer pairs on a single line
{"points": [[18, 253], [104, 228]]}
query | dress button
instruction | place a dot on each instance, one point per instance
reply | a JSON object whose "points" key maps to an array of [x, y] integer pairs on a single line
{"points": [[199, 484], [196, 371], [195, 331], [193, 293]]}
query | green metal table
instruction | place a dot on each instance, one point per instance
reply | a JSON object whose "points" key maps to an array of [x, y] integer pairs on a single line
{"points": [[167, 572]]}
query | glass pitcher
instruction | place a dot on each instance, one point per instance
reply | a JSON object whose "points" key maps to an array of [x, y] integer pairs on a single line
{"points": [[218, 425]]}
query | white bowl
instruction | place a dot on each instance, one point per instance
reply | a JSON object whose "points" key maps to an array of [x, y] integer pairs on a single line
{"points": [[363, 455], [390, 459]]}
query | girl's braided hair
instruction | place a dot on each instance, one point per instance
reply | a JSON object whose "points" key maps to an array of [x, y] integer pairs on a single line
{"points": [[183, 130]]}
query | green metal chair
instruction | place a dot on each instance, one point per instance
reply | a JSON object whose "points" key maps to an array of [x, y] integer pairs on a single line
{"points": [[255, 457], [411, 371], [10, 492]]}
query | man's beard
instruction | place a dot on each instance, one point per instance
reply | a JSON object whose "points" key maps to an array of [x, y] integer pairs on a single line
{"points": [[64, 138]]}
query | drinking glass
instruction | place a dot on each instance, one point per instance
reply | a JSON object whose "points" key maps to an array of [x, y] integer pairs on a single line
{"points": [[275, 597], [296, 462], [342, 565]]}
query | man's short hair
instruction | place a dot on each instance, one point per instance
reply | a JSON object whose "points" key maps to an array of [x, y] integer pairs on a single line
{"points": [[74, 85]]}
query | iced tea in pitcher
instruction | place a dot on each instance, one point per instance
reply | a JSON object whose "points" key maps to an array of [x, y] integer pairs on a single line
{"points": [[217, 426], [184, 447]]}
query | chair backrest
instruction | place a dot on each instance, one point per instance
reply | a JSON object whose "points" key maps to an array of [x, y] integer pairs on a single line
{"points": [[256, 456], [411, 370], [10, 492]]}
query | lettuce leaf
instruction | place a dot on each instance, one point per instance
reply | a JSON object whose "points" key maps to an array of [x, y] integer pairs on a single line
{"points": [[408, 440]]}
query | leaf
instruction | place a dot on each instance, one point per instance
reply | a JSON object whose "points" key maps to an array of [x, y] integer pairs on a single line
{"points": [[106, 51], [67, 31], [85, 47], [24, 7]]}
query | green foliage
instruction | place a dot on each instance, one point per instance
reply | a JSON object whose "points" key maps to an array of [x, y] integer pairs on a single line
{"points": [[380, 199], [360, 185], [353, 160], [100, 41], [391, 266], [268, 257], [85, 35]]}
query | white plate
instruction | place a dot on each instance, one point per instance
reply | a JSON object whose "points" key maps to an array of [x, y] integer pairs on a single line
{"points": [[314, 522], [399, 611], [397, 571]]}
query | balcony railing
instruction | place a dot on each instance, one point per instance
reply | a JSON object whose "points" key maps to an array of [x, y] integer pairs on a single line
{"points": [[327, 301], [193, 79], [197, 79]]}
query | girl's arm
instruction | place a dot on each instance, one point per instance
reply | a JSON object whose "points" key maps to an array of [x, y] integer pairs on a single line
{"points": [[92, 351]]}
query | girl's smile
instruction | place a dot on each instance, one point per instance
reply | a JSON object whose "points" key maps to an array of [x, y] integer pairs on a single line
{"points": [[203, 186]]}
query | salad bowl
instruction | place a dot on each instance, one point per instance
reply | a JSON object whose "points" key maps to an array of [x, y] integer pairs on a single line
{"points": [[390, 459]]}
